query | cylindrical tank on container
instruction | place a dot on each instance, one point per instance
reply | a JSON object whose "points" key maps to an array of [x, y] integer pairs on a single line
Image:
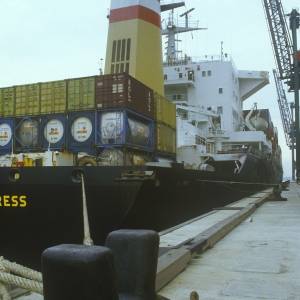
{"points": [[81, 129], [27, 132], [122, 157], [81, 151], [6, 131], [53, 131], [122, 126]]}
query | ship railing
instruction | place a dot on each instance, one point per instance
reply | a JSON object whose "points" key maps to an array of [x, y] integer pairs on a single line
{"points": [[200, 141], [193, 60], [177, 98]]}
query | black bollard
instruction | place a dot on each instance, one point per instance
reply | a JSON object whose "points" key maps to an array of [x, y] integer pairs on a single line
{"points": [[79, 272], [136, 254]]}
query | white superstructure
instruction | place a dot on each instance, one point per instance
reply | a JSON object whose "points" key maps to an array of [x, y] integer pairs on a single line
{"points": [[209, 92]]}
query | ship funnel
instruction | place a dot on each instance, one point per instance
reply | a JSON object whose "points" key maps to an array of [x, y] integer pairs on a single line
{"points": [[134, 42]]}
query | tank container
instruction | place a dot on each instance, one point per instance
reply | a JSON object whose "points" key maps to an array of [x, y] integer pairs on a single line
{"points": [[165, 110], [124, 91], [164, 138], [81, 129], [123, 156], [81, 94], [54, 131], [53, 97], [122, 126], [7, 100], [26, 133], [6, 132], [82, 150], [27, 101]]}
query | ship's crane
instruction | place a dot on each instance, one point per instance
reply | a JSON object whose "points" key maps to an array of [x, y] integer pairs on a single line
{"points": [[286, 55], [285, 112]]}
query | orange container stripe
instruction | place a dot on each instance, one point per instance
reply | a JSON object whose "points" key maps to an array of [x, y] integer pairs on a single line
{"points": [[135, 12]]}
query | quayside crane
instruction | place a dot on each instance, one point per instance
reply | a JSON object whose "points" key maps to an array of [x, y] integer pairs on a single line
{"points": [[286, 56]]}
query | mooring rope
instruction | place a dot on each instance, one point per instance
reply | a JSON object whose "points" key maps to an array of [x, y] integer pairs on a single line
{"points": [[87, 237], [31, 280]]}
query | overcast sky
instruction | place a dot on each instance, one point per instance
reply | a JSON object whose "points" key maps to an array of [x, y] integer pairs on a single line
{"points": [[43, 40]]}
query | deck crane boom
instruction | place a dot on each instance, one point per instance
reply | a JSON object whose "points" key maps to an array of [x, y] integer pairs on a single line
{"points": [[286, 56], [285, 112]]}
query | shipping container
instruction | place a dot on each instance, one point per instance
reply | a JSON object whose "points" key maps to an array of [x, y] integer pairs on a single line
{"points": [[81, 94], [123, 156], [26, 134], [54, 131], [53, 97], [165, 110], [164, 157], [27, 101], [6, 132], [82, 150], [124, 91], [164, 138], [7, 100], [123, 126], [81, 129]]}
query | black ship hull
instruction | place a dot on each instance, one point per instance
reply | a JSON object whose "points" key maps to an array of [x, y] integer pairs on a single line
{"points": [[43, 207]]}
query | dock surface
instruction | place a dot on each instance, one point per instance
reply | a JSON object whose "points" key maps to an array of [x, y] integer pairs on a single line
{"points": [[258, 259], [247, 250]]}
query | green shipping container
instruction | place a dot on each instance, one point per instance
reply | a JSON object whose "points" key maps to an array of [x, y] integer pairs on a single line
{"points": [[165, 110], [53, 97], [81, 94], [164, 138], [27, 101], [7, 99]]}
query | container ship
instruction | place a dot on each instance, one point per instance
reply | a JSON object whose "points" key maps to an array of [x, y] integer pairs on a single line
{"points": [[153, 142]]}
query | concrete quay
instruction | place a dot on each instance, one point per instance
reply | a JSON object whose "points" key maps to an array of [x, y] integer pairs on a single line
{"points": [[258, 259]]}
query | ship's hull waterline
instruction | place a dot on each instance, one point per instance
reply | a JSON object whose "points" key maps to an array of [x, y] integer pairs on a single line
{"points": [[43, 208]]}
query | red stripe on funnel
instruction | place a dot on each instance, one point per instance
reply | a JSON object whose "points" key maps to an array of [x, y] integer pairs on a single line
{"points": [[135, 12]]}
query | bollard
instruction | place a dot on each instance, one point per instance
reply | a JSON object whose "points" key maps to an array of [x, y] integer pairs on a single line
{"points": [[136, 254], [79, 272]]}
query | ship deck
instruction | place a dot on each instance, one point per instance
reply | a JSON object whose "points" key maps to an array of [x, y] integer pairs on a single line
{"points": [[249, 249]]}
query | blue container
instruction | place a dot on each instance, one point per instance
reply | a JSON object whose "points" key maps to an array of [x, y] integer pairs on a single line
{"points": [[54, 131], [6, 135], [123, 156], [87, 150], [26, 134], [81, 129], [164, 157], [117, 127]]}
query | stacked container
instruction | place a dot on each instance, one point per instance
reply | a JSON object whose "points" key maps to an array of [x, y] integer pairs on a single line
{"points": [[165, 128], [53, 97], [111, 116], [27, 101], [81, 132], [124, 120], [6, 131], [124, 91], [26, 137], [54, 131], [7, 98], [81, 94]]}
